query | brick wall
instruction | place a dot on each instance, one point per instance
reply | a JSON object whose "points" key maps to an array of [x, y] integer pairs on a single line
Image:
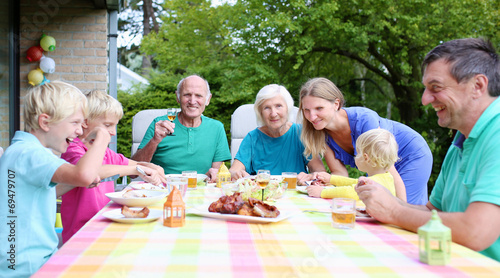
{"points": [[80, 31]]}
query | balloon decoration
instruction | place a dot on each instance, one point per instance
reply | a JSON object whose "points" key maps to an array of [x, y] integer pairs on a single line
{"points": [[48, 43], [47, 65], [35, 77], [34, 53]]}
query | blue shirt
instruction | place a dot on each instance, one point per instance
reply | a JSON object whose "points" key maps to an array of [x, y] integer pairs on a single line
{"points": [[471, 170], [26, 170], [282, 154], [192, 148], [415, 157]]}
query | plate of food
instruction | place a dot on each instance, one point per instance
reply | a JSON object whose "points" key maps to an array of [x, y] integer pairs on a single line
{"points": [[147, 186], [248, 188], [133, 215], [302, 189], [233, 208], [136, 198]]}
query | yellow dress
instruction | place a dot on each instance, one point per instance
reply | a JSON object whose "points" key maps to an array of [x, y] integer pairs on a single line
{"points": [[344, 186]]}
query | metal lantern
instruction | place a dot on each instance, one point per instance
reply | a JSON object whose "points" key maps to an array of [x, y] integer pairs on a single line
{"points": [[174, 210], [434, 240]]}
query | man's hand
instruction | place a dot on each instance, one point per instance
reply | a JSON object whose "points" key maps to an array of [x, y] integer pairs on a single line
{"points": [[212, 174], [380, 203], [163, 129]]}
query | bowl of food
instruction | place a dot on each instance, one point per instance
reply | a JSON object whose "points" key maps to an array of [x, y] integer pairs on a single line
{"points": [[136, 198], [229, 188], [275, 189]]}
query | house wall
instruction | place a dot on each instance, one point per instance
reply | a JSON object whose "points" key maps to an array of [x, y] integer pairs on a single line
{"points": [[80, 31]]}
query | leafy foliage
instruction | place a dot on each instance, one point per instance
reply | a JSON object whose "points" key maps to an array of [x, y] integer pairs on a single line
{"points": [[371, 49]]}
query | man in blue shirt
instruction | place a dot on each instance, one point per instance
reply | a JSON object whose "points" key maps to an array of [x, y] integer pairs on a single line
{"points": [[462, 83]]}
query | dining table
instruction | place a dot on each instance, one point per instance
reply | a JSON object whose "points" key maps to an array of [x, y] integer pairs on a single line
{"points": [[303, 243]]}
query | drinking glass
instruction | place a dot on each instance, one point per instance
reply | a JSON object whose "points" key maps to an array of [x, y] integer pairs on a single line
{"points": [[192, 178], [263, 177], [180, 182], [171, 114], [343, 213], [291, 178]]}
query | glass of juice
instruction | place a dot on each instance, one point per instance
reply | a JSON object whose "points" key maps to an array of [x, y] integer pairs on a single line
{"points": [[192, 178], [343, 213], [290, 178]]}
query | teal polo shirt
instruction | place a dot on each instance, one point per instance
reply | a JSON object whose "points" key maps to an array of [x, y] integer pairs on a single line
{"points": [[192, 148], [471, 170]]}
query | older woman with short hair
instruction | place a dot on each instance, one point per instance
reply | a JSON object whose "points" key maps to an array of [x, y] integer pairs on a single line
{"points": [[275, 145]]}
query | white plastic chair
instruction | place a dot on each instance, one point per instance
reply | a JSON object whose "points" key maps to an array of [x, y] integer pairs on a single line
{"points": [[243, 120]]}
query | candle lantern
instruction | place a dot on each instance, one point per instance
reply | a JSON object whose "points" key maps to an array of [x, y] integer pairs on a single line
{"points": [[48, 43], [434, 240], [223, 176], [36, 77], [47, 64], [34, 53], [174, 210]]}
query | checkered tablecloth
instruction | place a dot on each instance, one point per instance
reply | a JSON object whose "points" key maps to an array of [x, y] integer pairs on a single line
{"points": [[304, 245]]}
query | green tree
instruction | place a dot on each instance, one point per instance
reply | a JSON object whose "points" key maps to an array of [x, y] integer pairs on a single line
{"points": [[371, 49]]}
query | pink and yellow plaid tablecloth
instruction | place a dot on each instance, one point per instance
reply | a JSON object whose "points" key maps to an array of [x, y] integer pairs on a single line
{"points": [[304, 245]]}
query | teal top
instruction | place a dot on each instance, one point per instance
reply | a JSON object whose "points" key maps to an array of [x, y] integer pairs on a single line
{"points": [[282, 154], [470, 170], [28, 199], [192, 148]]}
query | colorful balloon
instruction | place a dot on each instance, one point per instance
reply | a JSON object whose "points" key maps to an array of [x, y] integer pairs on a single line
{"points": [[47, 64], [48, 43], [35, 77], [34, 53]]}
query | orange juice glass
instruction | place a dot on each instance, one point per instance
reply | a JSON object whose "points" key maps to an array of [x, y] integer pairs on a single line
{"points": [[192, 178]]}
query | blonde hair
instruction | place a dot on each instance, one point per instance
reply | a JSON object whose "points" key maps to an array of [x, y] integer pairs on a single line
{"points": [[100, 103], [57, 99], [268, 92], [380, 146], [315, 140]]}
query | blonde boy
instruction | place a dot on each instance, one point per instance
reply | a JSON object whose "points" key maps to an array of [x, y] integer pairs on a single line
{"points": [[29, 171], [80, 204], [377, 151]]}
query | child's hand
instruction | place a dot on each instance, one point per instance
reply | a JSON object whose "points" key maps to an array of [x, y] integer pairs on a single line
{"points": [[153, 176], [98, 133], [324, 177], [315, 190]]}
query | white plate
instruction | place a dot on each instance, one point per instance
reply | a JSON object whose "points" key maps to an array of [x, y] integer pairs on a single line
{"points": [[302, 189], [203, 211], [152, 198], [117, 216], [147, 186]]}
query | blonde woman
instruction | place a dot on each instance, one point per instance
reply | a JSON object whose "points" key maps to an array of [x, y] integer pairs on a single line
{"points": [[377, 151], [331, 130]]}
